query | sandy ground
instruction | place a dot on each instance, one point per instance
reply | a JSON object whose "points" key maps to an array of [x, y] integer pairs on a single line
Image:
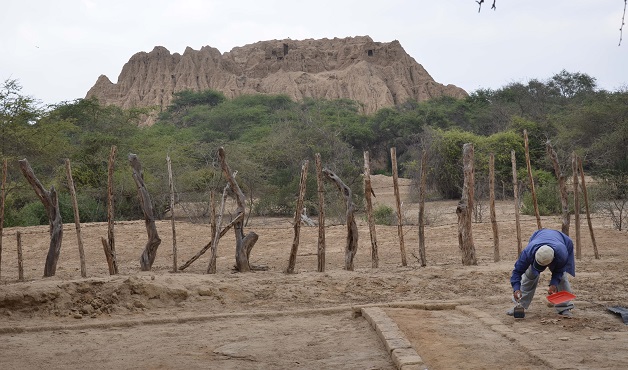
{"points": [[273, 320]]}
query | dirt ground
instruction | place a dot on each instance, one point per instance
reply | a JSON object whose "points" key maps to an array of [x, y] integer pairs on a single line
{"points": [[273, 320]]}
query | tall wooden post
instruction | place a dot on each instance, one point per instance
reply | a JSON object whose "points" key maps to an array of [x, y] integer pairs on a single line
{"points": [[297, 219], [515, 185], [491, 186], [211, 268], [172, 219], [576, 204], [20, 263], [531, 180], [586, 206], [564, 200], [77, 218], [321, 213], [368, 191], [464, 209], [402, 246], [109, 244], [422, 191], [2, 199]]}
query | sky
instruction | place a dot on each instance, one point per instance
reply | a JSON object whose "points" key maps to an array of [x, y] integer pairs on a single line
{"points": [[57, 49]]}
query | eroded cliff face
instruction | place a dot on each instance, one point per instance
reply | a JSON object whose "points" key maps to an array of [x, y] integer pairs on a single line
{"points": [[376, 74]]}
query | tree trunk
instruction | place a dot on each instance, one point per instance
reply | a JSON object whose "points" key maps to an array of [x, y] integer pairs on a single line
{"points": [[576, 204], [150, 250], [77, 218], [51, 203], [368, 192], [422, 191], [321, 213], [109, 244], [297, 219], [465, 209], [564, 198], [352, 229], [586, 206], [174, 230], [244, 244]]}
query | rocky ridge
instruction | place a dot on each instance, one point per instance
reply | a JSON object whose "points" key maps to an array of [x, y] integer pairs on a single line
{"points": [[376, 74]]}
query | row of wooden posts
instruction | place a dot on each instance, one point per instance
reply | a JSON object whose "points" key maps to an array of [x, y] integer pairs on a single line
{"points": [[245, 243]]}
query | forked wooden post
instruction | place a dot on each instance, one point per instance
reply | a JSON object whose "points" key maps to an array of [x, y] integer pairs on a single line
{"points": [[515, 186], [368, 192], [464, 209], [564, 199], [531, 180], [402, 246], [586, 206], [109, 244], [576, 203], [297, 219], [321, 213], [491, 186], [77, 218]]}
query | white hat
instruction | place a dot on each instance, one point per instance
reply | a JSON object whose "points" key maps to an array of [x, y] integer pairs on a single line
{"points": [[544, 255]]}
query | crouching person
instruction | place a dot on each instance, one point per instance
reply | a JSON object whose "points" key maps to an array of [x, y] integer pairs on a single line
{"points": [[546, 249]]}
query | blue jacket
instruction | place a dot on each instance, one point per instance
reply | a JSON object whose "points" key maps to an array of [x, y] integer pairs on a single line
{"points": [[564, 260]]}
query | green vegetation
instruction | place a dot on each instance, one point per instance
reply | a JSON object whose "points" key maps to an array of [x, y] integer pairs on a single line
{"points": [[267, 137]]}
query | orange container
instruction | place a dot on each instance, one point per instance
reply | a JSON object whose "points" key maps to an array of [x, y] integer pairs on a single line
{"points": [[560, 297]]}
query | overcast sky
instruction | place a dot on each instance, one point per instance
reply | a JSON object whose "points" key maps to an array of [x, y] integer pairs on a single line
{"points": [[57, 49]]}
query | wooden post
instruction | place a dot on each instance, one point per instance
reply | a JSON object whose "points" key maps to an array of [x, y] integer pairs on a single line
{"points": [[2, 199], [564, 199], [150, 250], [50, 200], [464, 209], [586, 206], [174, 231], [77, 218], [491, 186], [368, 192], [529, 166], [109, 244], [20, 263], [321, 213], [352, 229], [515, 185], [244, 244], [402, 246], [422, 191], [211, 269], [297, 219], [576, 203]]}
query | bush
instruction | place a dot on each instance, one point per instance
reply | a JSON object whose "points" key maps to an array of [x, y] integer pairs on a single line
{"points": [[384, 215], [548, 201]]}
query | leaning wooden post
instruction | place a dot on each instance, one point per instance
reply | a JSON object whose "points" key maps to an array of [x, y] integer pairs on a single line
{"points": [[321, 213], [491, 186], [77, 218], [402, 246], [564, 199], [368, 191], [531, 179], [515, 186], [352, 229], [109, 244], [297, 219], [422, 191], [20, 263], [576, 203], [464, 209], [2, 198], [174, 230], [586, 206], [50, 200], [150, 250]]}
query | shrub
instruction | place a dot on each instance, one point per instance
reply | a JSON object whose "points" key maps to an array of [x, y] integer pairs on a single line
{"points": [[384, 215]]}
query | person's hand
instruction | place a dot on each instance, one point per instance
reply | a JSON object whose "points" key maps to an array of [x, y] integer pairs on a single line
{"points": [[552, 289], [517, 295]]}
